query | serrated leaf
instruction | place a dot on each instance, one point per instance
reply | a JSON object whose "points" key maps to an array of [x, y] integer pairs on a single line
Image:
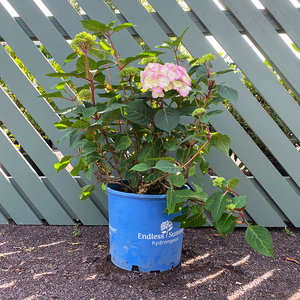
{"points": [[204, 165], [63, 163], [216, 204], [149, 151], [184, 195], [260, 240], [232, 183], [227, 92], [177, 179], [75, 171], [215, 112], [86, 191], [226, 224], [196, 220], [167, 118], [170, 145], [149, 138], [123, 142], [240, 201], [139, 112], [99, 77], [80, 124], [197, 176], [170, 200], [70, 57], [192, 171], [141, 167], [142, 55], [88, 148], [179, 218], [122, 26], [81, 64], [177, 41], [90, 172], [221, 142], [88, 112], [93, 157], [167, 166], [93, 25], [51, 95]]}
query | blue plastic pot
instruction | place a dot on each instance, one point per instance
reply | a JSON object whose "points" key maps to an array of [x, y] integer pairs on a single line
{"points": [[142, 236]]}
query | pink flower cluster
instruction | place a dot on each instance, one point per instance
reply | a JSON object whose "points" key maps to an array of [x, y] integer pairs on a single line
{"points": [[162, 78]]}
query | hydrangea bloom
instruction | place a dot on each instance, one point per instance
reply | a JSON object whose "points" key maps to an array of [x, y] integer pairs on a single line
{"points": [[162, 78]]}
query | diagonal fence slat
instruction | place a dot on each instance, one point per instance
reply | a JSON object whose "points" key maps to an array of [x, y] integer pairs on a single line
{"points": [[34, 145], [27, 178], [287, 16], [177, 20], [276, 197], [268, 41]]}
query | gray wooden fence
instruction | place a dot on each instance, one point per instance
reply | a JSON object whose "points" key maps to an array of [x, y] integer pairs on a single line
{"points": [[29, 197]]}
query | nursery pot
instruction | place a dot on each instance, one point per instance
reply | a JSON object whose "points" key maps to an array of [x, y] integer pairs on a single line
{"points": [[143, 238]]}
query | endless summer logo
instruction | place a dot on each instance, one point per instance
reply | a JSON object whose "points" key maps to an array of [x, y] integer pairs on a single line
{"points": [[167, 236]]}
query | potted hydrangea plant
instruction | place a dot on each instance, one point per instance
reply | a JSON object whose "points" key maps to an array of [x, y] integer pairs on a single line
{"points": [[143, 139]]}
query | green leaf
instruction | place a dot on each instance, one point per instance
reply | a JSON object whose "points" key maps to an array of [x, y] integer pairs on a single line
{"points": [[122, 26], [240, 201], [90, 173], [177, 41], [167, 166], [80, 124], [177, 179], [170, 200], [134, 182], [215, 112], [184, 195], [226, 223], [149, 138], [170, 145], [260, 240], [81, 64], [192, 171], [204, 119], [89, 147], [228, 93], [63, 124], [70, 57], [62, 74], [139, 112], [100, 77], [93, 157], [197, 176], [167, 118], [204, 165], [232, 183], [141, 167], [129, 175], [88, 112], [51, 95], [123, 142], [75, 171], [141, 55], [179, 218], [63, 163], [65, 110], [93, 25], [221, 142], [76, 136], [196, 220], [147, 152], [216, 204], [86, 191]]}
